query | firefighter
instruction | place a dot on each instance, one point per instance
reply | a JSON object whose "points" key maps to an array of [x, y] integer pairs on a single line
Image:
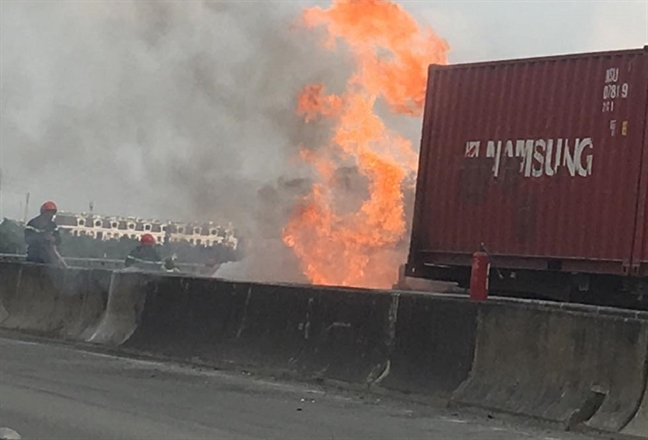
{"points": [[145, 255], [43, 236]]}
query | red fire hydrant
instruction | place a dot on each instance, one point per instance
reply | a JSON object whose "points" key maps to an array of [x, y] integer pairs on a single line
{"points": [[479, 276]]}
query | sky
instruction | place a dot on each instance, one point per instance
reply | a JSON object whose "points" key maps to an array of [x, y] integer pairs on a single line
{"points": [[184, 110]]}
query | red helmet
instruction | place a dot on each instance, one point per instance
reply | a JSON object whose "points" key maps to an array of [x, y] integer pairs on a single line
{"points": [[147, 239], [48, 206]]}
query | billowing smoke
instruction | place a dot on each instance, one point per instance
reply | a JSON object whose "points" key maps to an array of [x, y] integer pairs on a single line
{"points": [[179, 110]]}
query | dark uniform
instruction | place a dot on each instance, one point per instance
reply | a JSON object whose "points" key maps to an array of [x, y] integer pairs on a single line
{"points": [[145, 257], [42, 235]]}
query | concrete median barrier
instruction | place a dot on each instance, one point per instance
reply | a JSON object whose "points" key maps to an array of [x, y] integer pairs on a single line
{"points": [[124, 306], [638, 425], [434, 344], [575, 366], [93, 286], [189, 318], [311, 332], [341, 334], [271, 330], [3, 312], [9, 276], [52, 301]]}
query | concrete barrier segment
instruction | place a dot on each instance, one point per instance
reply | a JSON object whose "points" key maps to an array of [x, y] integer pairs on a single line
{"points": [[559, 365]]}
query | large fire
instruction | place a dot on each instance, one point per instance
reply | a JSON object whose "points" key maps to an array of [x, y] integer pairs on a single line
{"points": [[391, 54]]}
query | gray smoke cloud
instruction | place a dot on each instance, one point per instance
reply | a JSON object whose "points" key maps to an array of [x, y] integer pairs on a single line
{"points": [[178, 110], [185, 110]]}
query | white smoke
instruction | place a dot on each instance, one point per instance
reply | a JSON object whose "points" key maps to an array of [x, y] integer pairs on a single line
{"points": [[161, 109], [178, 110]]}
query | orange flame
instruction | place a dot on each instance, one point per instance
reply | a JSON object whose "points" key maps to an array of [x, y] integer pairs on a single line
{"points": [[391, 54]]}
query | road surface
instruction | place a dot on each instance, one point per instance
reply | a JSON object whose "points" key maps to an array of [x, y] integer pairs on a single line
{"points": [[53, 391]]}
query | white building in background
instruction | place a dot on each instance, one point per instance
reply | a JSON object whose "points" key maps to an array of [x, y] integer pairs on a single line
{"points": [[115, 228]]}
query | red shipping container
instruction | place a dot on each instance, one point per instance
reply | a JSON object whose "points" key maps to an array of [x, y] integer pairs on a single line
{"points": [[544, 161]]}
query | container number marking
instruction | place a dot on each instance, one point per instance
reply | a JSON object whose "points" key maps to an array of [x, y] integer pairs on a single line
{"points": [[612, 90]]}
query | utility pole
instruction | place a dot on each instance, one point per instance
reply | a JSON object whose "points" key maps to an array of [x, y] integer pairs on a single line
{"points": [[26, 208], [1, 216]]}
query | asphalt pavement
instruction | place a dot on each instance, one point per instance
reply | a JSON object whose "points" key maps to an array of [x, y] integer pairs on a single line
{"points": [[54, 391]]}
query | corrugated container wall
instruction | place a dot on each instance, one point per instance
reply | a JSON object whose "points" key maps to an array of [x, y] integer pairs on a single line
{"points": [[544, 160], [641, 243]]}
